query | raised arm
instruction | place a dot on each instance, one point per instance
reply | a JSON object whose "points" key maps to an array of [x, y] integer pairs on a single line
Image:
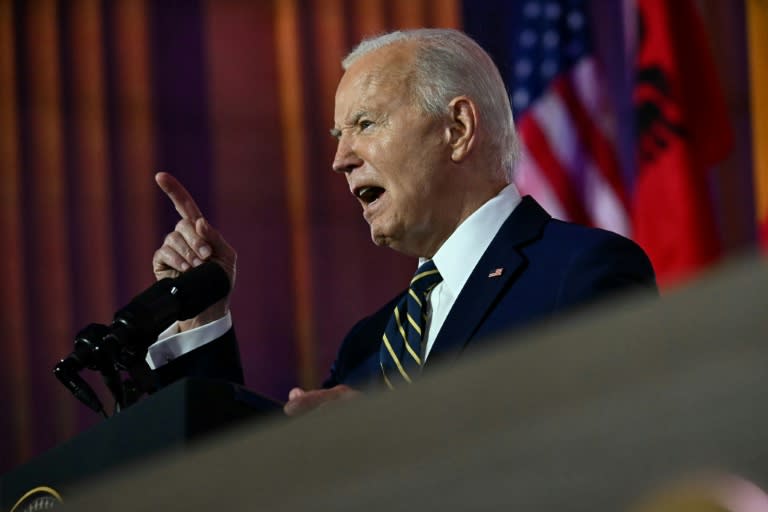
{"points": [[192, 242]]}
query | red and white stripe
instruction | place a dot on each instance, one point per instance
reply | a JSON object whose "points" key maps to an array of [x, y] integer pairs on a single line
{"points": [[569, 161]]}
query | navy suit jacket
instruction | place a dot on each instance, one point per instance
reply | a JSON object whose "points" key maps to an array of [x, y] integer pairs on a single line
{"points": [[548, 267]]}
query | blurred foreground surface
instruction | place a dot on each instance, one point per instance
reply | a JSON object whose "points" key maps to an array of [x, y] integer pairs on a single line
{"points": [[606, 411]]}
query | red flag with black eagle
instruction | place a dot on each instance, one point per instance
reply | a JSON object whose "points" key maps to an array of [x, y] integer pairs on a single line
{"points": [[683, 129]]}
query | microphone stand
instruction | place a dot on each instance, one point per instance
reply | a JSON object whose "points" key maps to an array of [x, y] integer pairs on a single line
{"points": [[123, 345]]}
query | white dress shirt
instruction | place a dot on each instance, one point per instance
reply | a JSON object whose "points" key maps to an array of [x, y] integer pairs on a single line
{"points": [[459, 254], [172, 344], [455, 261]]}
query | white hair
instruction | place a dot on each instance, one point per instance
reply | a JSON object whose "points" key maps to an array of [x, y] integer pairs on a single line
{"points": [[447, 64]]}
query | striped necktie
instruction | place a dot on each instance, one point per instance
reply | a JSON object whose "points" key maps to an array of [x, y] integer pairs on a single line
{"points": [[400, 353]]}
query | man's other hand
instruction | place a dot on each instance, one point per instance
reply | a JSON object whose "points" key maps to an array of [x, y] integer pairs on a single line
{"points": [[301, 401], [192, 242]]}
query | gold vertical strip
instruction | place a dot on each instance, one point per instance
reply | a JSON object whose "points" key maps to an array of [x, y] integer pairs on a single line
{"points": [[49, 262], [370, 19], [445, 13], [91, 176], [757, 26], [408, 13], [329, 29], [287, 38], [135, 135], [329, 49], [13, 292]]}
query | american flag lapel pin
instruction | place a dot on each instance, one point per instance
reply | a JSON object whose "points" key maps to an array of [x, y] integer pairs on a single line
{"points": [[497, 272]]}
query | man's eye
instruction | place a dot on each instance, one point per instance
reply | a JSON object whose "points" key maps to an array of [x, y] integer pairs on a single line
{"points": [[365, 124]]}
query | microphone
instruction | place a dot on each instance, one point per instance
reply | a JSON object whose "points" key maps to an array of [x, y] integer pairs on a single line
{"points": [[87, 354], [136, 326], [67, 372], [124, 344]]}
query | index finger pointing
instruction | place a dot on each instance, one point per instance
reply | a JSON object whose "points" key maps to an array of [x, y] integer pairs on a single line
{"points": [[182, 200]]}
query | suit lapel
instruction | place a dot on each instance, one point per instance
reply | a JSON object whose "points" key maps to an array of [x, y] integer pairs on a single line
{"points": [[497, 269]]}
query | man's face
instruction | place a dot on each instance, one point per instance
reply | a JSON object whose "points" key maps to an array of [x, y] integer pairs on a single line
{"points": [[396, 158]]}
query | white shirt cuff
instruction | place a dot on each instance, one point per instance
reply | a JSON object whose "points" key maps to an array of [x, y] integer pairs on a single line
{"points": [[172, 344]]}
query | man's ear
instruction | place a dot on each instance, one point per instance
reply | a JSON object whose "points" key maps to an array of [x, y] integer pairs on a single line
{"points": [[462, 130]]}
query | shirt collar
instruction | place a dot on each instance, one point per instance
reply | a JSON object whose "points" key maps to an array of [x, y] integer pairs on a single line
{"points": [[459, 254]]}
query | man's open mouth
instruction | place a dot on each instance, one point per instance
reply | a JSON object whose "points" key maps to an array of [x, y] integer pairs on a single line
{"points": [[369, 194]]}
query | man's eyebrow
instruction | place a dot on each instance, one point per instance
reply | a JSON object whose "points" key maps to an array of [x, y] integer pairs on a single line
{"points": [[354, 119]]}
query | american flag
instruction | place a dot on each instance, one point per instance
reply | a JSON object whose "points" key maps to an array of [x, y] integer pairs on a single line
{"points": [[545, 53], [569, 161]]}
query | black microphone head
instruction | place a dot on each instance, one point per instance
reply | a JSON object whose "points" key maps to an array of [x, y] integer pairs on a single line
{"points": [[168, 300], [136, 326], [199, 288], [67, 372]]}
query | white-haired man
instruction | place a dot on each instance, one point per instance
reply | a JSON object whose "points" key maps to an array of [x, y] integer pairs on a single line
{"points": [[427, 145]]}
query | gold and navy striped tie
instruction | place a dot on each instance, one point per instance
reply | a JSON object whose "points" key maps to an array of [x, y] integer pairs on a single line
{"points": [[400, 354]]}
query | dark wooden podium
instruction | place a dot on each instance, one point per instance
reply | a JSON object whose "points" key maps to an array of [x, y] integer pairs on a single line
{"points": [[167, 421]]}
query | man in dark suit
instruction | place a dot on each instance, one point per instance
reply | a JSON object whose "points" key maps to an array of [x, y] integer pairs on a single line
{"points": [[427, 145]]}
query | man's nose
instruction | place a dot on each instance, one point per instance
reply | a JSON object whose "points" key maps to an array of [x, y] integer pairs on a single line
{"points": [[345, 160]]}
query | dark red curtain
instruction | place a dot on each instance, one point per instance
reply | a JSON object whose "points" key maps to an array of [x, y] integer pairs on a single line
{"points": [[233, 97]]}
